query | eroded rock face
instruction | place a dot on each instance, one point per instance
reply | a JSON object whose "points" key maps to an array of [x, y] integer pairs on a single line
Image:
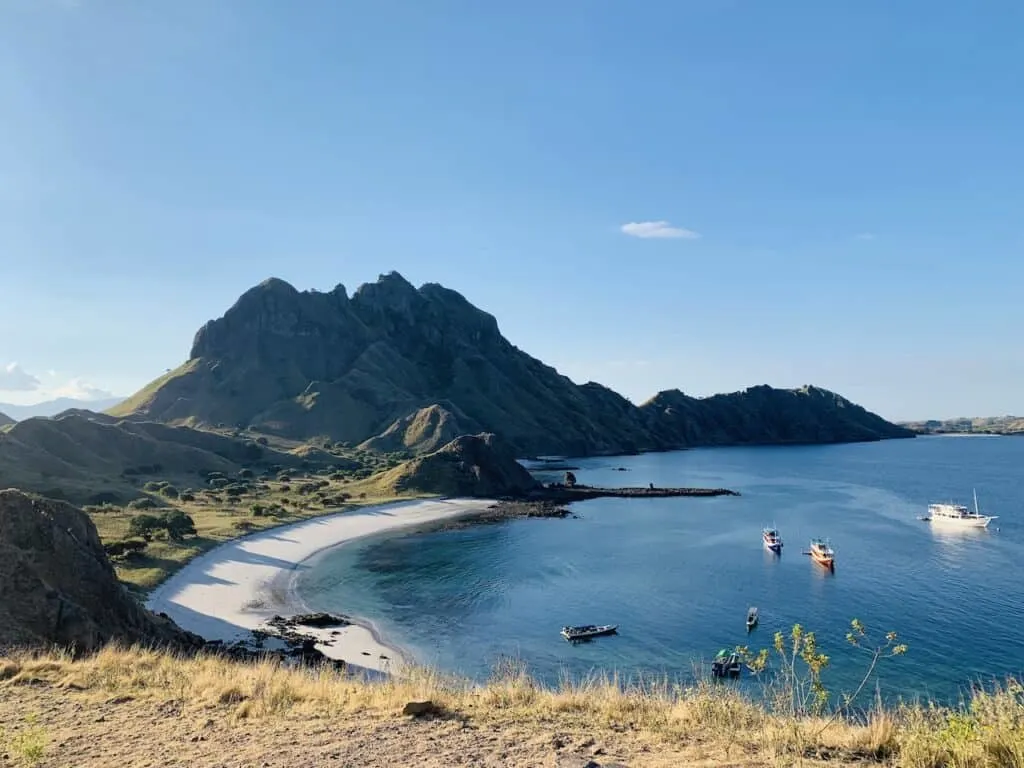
{"points": [[57, 586]]}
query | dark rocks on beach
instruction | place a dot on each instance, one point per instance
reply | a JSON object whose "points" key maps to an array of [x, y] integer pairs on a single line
{"points": [[508, 509], [303, 651], [289, 628], [320, 620]]}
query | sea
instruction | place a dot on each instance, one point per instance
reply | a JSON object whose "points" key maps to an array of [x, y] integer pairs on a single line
{"points": [[678, 575]]}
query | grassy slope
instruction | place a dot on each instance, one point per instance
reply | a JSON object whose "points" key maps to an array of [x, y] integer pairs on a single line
{"points": [[142, 706], [144, 395]]}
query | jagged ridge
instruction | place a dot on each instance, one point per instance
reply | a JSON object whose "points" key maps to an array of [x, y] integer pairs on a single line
{"points": [[394, 366]]}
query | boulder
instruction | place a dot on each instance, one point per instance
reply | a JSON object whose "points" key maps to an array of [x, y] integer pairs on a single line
{"points": [[57, 586]]}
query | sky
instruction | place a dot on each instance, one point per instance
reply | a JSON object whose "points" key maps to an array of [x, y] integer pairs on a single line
{"points": [[701, 194]]}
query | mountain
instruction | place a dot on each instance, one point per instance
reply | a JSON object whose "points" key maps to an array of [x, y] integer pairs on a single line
{"points": [[5, 420], [985, 425], [763, 415], [53, 407], [394, 366], [92, 459], [57, 586]]}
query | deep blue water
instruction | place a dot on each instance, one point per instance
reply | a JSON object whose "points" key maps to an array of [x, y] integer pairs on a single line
{"points": [[679, 574]]}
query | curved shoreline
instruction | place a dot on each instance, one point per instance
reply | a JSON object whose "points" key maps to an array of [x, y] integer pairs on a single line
{"points": [[237, 587]]}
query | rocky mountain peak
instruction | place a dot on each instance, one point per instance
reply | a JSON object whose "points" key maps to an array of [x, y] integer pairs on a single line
{"points": [[369, 369]]}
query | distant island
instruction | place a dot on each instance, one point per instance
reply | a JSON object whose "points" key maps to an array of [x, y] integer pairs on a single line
{"points": [[987, 425]]}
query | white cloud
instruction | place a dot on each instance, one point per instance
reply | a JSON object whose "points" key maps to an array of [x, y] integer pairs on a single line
{"points": [[864, 236], [77, 389], [14, 378], [659, 229]]}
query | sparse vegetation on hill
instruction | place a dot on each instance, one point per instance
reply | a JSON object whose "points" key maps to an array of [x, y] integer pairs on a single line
{"points": [[394, 367], [5, 420], [102, 460]]}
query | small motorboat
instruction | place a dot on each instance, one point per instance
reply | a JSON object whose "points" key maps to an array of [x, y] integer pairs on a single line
{"points": [[726, 664], [751, 617], [587, 631], [772, 539], [822, 553]]}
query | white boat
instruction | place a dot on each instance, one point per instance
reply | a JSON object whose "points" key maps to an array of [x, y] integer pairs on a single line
{"points": [[772, 539], [958, 516], [751, 618]]}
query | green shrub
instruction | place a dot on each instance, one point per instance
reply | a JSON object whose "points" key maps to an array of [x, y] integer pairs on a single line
{"points": [[178, 524], [144, 526]]}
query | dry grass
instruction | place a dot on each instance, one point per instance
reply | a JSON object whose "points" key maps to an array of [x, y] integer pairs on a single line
{"points": [[651, 718]]}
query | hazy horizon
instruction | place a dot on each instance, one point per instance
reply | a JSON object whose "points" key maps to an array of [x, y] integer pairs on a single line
{"points": [[692, 195]]}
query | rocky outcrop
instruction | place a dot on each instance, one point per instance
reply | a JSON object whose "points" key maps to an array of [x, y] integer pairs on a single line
{"points": [[394, 367], [422, 432], [471, 465], [58, 588]]}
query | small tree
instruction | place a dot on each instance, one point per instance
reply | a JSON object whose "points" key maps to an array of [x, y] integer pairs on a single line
{"points": [[144, 526], [179, 525]]}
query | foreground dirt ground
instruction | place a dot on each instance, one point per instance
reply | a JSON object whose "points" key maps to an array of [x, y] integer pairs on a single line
{"points": [[77, 728]]}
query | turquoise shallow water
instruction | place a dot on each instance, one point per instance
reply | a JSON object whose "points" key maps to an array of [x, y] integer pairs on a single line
{"points": [[678, 574]]}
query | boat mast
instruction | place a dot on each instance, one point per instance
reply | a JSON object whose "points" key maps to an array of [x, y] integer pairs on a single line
{"points": [[976, 502]]}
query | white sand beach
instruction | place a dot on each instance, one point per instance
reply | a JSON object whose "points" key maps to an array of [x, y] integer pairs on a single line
{"points": [[238, 586]]}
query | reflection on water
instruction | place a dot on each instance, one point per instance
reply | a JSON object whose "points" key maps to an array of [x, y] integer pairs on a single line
{"points": [[677, 575]]}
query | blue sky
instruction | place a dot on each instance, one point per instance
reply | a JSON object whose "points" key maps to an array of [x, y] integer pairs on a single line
{"points": [[844, 181]]}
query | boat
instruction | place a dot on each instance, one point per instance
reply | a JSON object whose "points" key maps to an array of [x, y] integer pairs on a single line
{"points": [[751, 618], [772, 540], [587, 631], [823, 553], [958, 516], [726, 664]]}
